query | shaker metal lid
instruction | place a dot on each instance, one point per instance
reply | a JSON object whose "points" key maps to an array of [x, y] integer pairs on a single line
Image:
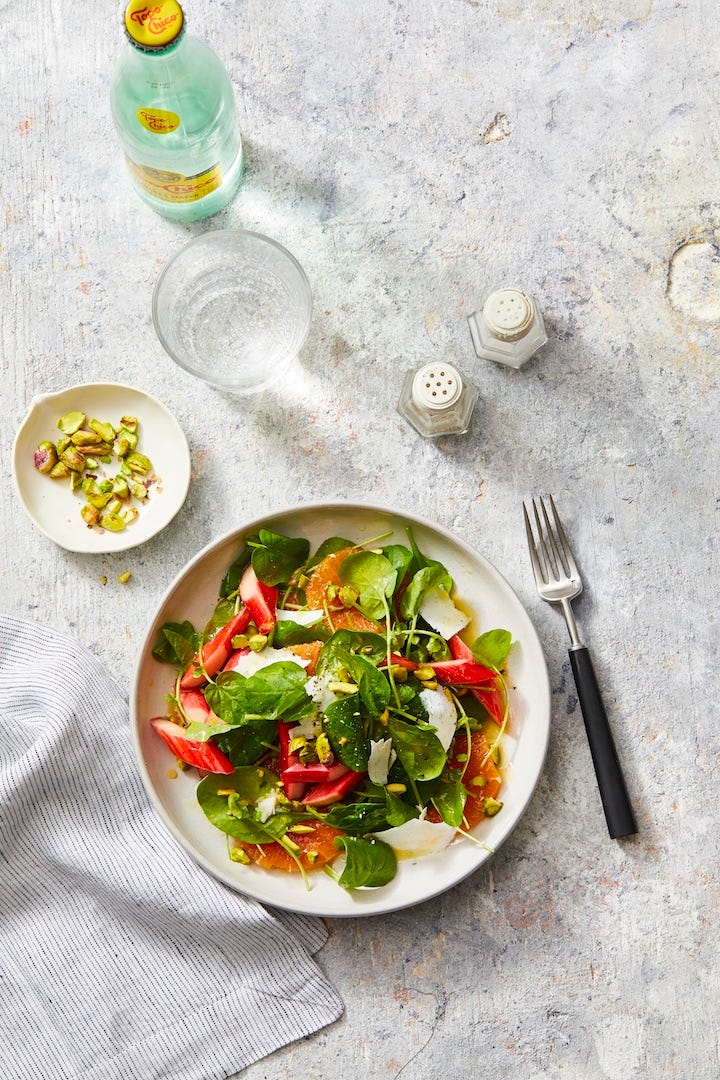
{"points": [[437, 386], [153, 25], [508, 314]]}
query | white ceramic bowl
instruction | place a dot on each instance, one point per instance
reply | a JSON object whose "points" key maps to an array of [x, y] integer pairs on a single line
{"points": [[55, 509], [483, 591]]}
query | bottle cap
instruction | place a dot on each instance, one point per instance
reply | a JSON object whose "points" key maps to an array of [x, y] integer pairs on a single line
{"points": [[437, 386], [508, 314], [153, 26]]}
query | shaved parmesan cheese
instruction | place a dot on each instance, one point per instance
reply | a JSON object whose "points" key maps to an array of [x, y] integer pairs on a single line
{"points": [[302, 618], [438, 611], [441, 713], [317, 688], [381, 758], [266, 805], [416, 838], [308, 727], [248, 663]]}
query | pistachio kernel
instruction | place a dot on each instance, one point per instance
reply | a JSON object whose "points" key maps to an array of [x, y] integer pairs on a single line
{"points": [[424, 674], [491, 807], [257, 642], [70, 422], [124, 577], [301, 830], [396, 789], [45, 457], [59, 471], [478, 781], [496, 753], [239, 855]]}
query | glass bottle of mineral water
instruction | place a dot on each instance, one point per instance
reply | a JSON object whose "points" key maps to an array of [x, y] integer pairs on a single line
{"points": [[175, 113]]}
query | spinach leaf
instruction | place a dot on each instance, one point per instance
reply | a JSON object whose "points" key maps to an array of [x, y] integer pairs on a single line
{"points": [[204, 732], [491, 649], [344, 728], [275, 557], [419, 750], [329, 547], [177, 643], [222, 615], [276, 690], [235, 814], [357, 819], [333, 654], [227, 697], [370, 863], [400, 557], [231, 581], [450, 799], [245, 745], [288, 632], [412, 702], [373, 576], [398, 812], [430, 577]]}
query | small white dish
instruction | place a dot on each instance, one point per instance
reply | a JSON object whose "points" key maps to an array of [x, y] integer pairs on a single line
{"points": [[481, 590], [55, 509]]}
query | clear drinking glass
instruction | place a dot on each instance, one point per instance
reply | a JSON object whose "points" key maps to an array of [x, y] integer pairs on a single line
{"points": [[233, 308]]}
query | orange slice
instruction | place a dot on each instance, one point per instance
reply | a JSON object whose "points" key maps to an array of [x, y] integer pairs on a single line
{"points": [[274, 857]]}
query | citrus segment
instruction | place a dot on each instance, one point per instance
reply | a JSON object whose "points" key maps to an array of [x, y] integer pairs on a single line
{"points": [[274, 857]]}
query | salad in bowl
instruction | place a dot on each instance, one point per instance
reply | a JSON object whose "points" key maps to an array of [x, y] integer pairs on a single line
{"points": [[331, 705]]}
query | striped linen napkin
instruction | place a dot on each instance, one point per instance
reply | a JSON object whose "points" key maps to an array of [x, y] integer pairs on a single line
{"points": [[119, 957]]}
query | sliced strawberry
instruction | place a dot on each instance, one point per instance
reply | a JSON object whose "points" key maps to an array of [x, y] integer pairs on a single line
{"points": [[216, 651], [234, 659], [334, 790], [205, 756], [260, 599], [314, 773], [194, 705], [403, 661], [461, 672], [458, 648], [490, 698]]}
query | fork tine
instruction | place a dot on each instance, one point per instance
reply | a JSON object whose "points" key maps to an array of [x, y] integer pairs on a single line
{"points": [[550, 571], [567, 550], [539, 578], [561, 569]]}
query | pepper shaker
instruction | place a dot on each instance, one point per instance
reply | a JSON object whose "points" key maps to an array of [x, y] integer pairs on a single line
{"points": [[509, 329], [437, 400]]}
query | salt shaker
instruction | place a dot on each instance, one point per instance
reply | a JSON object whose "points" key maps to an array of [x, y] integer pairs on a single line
{"points": [[509, 329], [436, 400]]}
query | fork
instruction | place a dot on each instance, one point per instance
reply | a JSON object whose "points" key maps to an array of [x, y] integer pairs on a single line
{"points": [[558, 582]]}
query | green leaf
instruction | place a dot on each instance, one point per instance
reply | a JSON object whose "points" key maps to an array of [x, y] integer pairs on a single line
{"points": [[370, 863], [287, 632], [221, 616], [334, 652], [227, 697], [419, 750], [373, 576], [277, 690], [235, 814], [231, 581], [412, 702], [430, 577], [204, 732], [491, 649], [329, 547], [344, 728], [449, 800], [275, 557], [177, 643], [246, 744], [400, 558], [398, 812], [357, 819]]}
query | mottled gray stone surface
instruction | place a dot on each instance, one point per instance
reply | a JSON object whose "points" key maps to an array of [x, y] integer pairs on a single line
{"points": [[413, 155]]}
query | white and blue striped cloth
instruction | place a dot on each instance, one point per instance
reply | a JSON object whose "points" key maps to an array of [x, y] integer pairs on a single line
{"points": [[119, 957]]}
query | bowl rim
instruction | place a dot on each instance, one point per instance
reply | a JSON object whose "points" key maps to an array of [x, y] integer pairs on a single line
{"points": [[130, 542], [215, 236], [543, 692]]}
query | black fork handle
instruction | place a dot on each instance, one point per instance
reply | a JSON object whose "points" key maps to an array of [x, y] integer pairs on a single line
{"points": [[616, 803]]}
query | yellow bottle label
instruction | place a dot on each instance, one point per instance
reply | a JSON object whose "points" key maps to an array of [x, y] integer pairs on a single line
{"points": [[174, 187], [159, 121]]}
